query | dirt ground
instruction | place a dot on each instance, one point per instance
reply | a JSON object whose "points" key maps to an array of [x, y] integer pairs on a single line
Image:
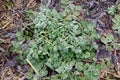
{"points": [[12, 15]]}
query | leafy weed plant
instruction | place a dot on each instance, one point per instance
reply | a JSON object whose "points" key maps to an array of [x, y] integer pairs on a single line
{"points": [[60, 43]]}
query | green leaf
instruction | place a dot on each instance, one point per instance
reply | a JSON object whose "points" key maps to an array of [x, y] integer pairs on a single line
{"points": [[79, 66]]}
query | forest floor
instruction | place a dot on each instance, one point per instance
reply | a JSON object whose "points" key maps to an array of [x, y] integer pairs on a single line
{"points": [[13, 14]]}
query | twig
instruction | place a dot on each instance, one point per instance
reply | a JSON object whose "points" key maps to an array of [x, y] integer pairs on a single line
{"points": [[32, 67], [6, 24], [117, 76], [90, 61]]}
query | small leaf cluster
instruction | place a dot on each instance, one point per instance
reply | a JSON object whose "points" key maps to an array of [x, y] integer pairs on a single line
{"points": [[110, 42], [114, 9], [116, 23]]}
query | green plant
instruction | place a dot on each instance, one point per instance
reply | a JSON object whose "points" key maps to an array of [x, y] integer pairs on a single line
{"points": [[60, 42], [112, 10], [116, 23], [110, 42]]}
